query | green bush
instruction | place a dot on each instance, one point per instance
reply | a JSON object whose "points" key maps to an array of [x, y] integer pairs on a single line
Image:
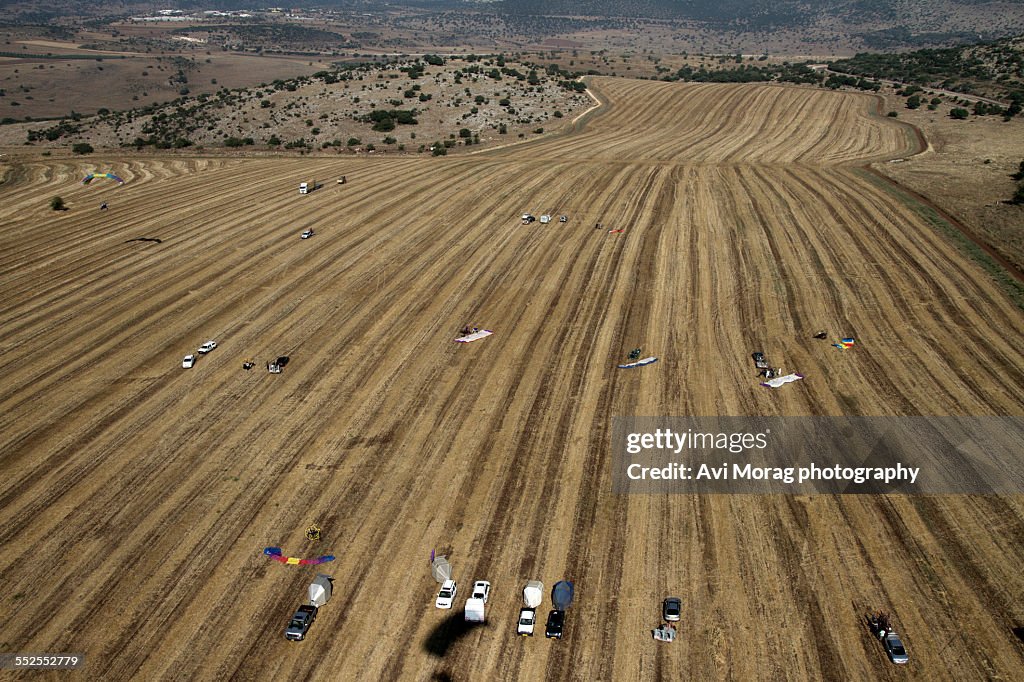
{"points": [[959, 113], [82, 148], [57, 204]]}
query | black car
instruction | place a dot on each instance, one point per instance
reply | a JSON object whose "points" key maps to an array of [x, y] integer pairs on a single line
{"points": [[556, 619], [299, 625]]}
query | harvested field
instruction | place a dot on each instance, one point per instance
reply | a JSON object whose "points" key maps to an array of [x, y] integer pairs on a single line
{"points": [[137, 496]]}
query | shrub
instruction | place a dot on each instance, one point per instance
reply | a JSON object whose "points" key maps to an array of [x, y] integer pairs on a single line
{"points": [[959, 113], [354, 142], [82, 148], [892, 114], [57, 204], [465, 132]]}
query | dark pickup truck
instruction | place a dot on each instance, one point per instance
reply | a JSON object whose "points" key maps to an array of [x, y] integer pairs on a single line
{"points": [[300, 623]]}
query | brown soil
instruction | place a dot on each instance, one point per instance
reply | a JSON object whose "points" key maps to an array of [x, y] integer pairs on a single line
{"points": [[967, 171], [137, 496]]}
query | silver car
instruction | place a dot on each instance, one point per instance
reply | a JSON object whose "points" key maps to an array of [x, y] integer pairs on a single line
{"points": [[894, 648], [672, 609]]}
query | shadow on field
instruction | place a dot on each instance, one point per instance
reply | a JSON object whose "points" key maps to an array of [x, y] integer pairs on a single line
{"points": [[144, 239], [448, 632]]}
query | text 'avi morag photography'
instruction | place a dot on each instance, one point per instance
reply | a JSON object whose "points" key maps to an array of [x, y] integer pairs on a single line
{"points": [[827, 455]]}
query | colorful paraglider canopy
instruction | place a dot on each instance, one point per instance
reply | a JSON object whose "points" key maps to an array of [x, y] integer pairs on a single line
{"points": [[276, 554], [91, 176], [845, 343]]}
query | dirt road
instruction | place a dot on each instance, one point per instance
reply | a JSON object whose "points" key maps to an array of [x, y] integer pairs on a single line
{"points": [[137, 496]]}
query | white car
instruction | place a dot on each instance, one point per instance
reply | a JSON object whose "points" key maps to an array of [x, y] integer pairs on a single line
{"points": [[481, 590], [446, 596], [188, 362], [307, 234], [207, 347], [527, 622]]}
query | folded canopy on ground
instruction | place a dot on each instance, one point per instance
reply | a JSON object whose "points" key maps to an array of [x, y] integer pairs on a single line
{"points": [[845, 343], [475, 336], [440, 568], [781, 381], [639, 363], [562, 594]]}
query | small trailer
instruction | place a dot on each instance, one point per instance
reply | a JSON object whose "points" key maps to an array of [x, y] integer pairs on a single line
{"points": [[545, 219], [665, 633]]}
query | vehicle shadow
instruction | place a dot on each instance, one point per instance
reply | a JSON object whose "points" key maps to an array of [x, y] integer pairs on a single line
{"points": [[448, 632]]}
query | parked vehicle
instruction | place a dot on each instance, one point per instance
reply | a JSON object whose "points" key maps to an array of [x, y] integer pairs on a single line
{"points": [[671, 609], [563, 218], [894, 648], [307, 187], [481, 590], [299, 625], [527, 622], [545, 219], [556, 621], [207, 347], [475, 611], [188, 362], [881, 627], [307, 234], [446, 595]]}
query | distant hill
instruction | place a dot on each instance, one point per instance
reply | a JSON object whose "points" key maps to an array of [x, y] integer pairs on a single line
{"points": [[877, 25], [993, 69]]}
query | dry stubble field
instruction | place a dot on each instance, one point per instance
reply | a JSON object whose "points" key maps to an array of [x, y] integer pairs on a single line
{"points": [[137, 496]]}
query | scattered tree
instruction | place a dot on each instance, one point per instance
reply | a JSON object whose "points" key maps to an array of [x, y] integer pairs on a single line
{"points": [[57, 204]]}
